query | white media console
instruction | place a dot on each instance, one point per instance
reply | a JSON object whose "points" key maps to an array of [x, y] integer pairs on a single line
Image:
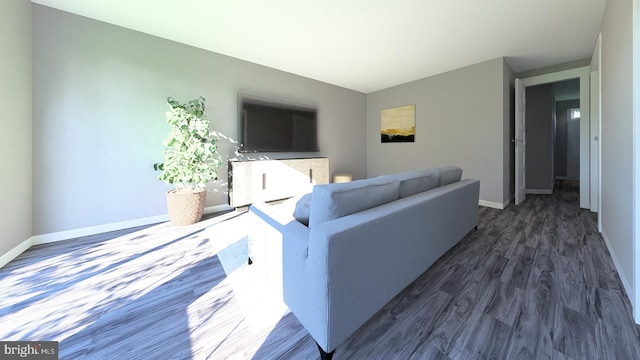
{"points": [[269, 180]]}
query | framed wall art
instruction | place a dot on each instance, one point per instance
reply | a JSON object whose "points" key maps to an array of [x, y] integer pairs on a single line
{"points": [[398, 124]]}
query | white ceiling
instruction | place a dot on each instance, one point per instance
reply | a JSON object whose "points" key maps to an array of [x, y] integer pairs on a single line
{"points": [[365, 45]]}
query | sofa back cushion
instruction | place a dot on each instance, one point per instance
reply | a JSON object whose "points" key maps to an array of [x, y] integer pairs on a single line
{"points": [[414, 182], [449, 174], [333, 201], [302, 211]]}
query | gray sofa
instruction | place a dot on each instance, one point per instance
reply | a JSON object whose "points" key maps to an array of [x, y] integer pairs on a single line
{"points": [[365, 241]]}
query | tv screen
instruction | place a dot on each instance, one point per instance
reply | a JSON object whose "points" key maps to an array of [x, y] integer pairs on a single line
{"points": [[272, 126]]}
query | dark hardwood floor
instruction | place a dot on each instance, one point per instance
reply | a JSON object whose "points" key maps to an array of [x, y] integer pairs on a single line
{"points": [[535, 281]]}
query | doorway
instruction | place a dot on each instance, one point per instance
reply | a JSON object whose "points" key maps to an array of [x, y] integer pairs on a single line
{"points": [[552, 122], [566, 102], [583, 74]]}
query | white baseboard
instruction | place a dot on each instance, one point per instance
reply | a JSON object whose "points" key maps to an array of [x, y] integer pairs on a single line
{"points": [[92, 230], [625, 281], [539, 191], [15, 252], [98, 229], [495, 205]]}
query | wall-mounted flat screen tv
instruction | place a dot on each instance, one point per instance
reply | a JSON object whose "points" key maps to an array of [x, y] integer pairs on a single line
{"points": [[274, 126]]}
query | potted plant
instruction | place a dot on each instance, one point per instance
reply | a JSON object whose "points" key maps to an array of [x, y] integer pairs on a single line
{"points": [[190, 162]]}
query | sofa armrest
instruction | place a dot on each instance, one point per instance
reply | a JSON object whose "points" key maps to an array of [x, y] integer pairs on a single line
{"points": [[270, 214], [275, 237]]}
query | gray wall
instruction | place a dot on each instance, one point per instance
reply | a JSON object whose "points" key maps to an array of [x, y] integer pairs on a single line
{"points": [[15, 147], [561, 142], [539, 138], [99, 117], [460, 120], [617, 137]]}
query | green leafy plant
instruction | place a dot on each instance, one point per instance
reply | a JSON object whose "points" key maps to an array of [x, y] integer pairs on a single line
{"points": [[191, 159]]}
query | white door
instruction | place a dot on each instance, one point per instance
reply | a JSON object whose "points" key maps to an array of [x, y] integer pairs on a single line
{"points": [[520, 142], [596, 156]]}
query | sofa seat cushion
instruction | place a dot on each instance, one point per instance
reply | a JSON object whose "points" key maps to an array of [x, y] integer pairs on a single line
{"points": [[333, 201]]}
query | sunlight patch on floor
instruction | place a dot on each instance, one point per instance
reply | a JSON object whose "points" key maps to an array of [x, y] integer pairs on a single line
{"points": [[253, 306], [197, 274], [137, 264]]}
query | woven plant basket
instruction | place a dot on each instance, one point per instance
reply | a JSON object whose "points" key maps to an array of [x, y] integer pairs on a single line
{"points": [[185, 208]]}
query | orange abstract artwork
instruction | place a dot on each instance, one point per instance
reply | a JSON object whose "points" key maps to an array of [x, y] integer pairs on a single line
{"points": [[398, 124]]}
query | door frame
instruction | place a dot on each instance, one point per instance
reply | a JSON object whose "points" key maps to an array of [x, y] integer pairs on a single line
{"points": [[596, 125], [635, 299], [520, 143], [584, 74]]}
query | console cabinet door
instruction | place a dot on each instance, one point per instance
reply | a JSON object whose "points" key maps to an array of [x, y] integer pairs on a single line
{"points": [[269, 180], [320, 170]]}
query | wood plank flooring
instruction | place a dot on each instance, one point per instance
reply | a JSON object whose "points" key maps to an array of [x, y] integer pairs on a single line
{"points": [[533, 282]]}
